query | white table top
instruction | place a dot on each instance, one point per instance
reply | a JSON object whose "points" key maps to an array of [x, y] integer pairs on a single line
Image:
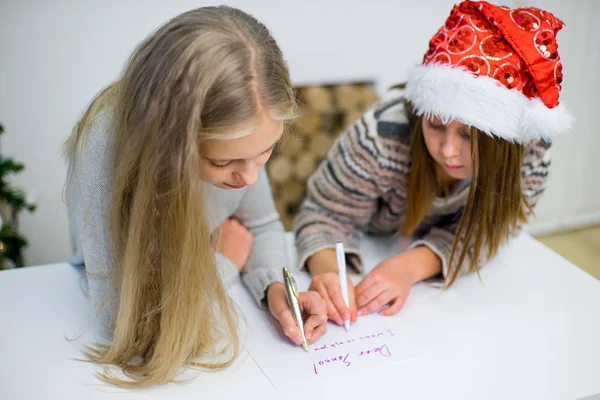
{"points": [[530, 331]]}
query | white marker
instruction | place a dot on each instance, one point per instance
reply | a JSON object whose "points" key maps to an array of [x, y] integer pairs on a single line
{"points": [[341, 262]]}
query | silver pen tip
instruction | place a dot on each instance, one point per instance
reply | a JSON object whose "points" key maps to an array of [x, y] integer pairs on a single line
{"points": [[305, 346]]}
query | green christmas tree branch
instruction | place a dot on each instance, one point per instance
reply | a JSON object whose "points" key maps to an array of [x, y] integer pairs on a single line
{"points": [[12, 243]]}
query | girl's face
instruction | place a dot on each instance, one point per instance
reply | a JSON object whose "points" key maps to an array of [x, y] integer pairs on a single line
{"points": [[234, 163], [450, 146]]}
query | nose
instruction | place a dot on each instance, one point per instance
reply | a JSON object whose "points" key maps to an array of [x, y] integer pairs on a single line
{"points": [[247, 174], [451, 145]]}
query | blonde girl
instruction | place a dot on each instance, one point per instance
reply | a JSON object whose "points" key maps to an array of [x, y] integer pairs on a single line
{"points": [[168, 198]]}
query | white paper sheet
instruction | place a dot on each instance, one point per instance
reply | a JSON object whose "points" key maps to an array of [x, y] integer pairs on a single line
{"points": [[373, 342]]}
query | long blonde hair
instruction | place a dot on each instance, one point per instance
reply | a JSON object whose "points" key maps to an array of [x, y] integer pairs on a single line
{"points": [[203, 73], [495, 203]]}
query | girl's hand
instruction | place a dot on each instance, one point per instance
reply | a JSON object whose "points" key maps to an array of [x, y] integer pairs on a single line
{"points": [[327, 284], [312, 307], [391, 280], [325, 280], [235, 242]]}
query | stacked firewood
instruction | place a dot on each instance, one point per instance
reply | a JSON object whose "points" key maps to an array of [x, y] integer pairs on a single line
{"points": [[326, 111]]}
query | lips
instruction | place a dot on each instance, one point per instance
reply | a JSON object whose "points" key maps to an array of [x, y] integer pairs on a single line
{"points": [[235, 187], [453, 166]]}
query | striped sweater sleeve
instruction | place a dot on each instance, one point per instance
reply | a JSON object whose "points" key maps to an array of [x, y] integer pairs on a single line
{"points": [[342, 195], [534, 173]]}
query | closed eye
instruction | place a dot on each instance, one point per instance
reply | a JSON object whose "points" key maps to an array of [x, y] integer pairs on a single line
{"points": [[438, 127], [223, 166]]}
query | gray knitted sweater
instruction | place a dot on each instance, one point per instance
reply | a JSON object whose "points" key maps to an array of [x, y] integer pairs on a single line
{"points": [[88, 200]]}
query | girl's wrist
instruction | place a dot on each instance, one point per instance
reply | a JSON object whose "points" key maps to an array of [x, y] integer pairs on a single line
{"points": [[322, 262], [424, 264]]}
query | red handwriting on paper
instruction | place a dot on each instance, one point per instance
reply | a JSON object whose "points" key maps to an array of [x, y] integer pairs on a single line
{"points": [[336, 344], [345, 361]]}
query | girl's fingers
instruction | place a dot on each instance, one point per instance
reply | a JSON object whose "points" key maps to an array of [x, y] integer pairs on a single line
{"points": [[394, 307], [312, 303], [335, 294], [317, 333], [367, 282], [352, 301], [312, 323], [375, 304], [332, 312], [365, 297], [288, 324]]}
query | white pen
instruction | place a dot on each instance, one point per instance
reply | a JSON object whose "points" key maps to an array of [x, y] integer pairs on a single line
{"points": [[341, 262]]}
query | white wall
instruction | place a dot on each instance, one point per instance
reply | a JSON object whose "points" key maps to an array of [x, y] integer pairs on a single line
{"points": [[54, 56], [573, 195]]}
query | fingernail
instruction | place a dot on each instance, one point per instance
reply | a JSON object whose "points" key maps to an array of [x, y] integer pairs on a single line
{"points": [[360, 312], [346, 317], [308, 335], [298, 340]]}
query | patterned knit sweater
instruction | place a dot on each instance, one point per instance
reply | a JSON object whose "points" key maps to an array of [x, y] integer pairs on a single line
{"points": [[361, 187]]}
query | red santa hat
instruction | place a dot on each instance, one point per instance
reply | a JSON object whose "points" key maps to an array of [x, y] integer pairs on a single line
{"points": [[494, 68]]}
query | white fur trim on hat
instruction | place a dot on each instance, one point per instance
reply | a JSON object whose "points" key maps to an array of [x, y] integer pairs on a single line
{"points": [[452, 93]]}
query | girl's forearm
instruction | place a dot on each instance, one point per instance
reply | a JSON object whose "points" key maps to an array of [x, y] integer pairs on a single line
{"points": [[425, 264]]}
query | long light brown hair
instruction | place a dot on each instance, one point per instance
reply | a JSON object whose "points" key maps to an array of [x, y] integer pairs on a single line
{"points": [[495, 203], [202, 75]]}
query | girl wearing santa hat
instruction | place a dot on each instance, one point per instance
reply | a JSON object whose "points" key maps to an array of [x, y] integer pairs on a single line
{"points": [[455, 159]]}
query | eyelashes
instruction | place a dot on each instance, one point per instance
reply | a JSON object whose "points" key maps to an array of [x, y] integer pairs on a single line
{"points": [[442, 128], [225, 166], [220, 166]]}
